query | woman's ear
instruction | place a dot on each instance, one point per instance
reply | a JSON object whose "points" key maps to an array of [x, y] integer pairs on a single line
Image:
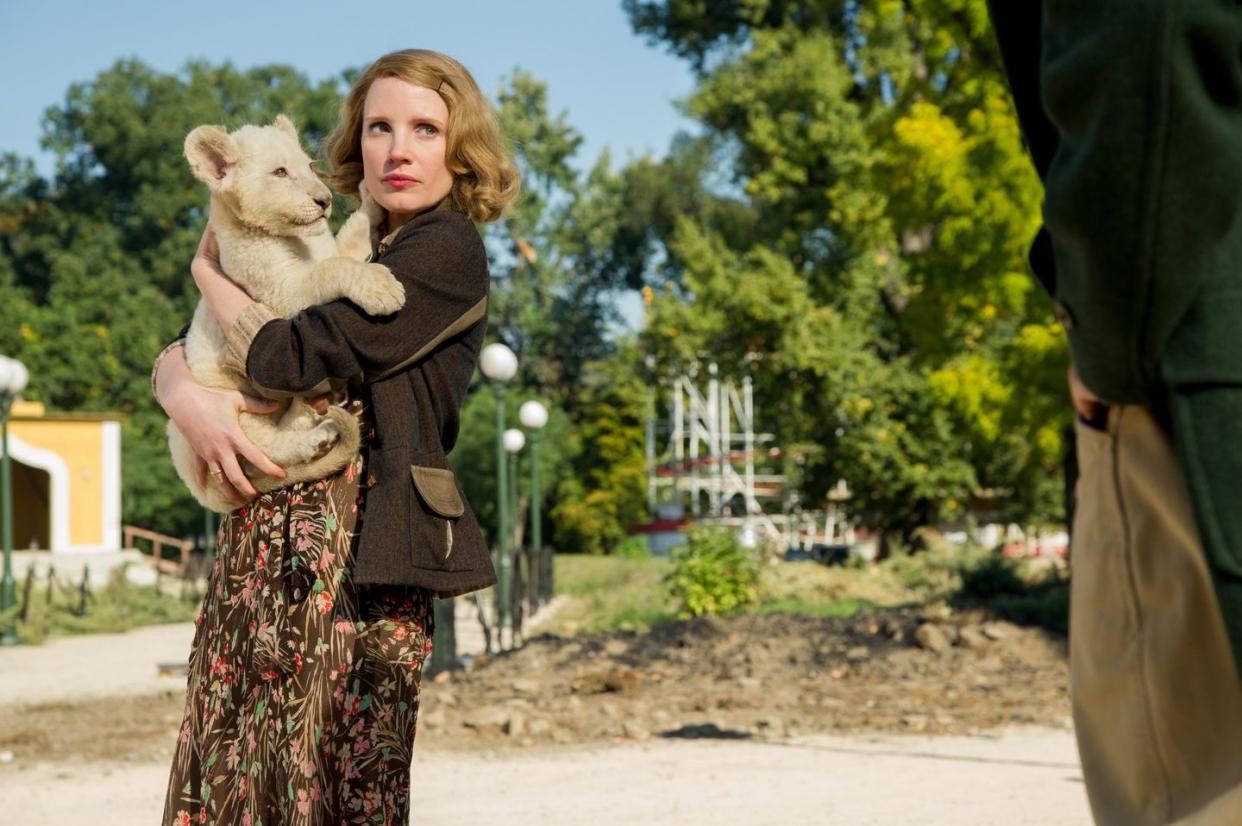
{"points": [[212, 155]]}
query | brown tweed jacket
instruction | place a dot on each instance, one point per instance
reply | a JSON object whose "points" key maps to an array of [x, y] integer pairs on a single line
{"points": [[413, 369]]}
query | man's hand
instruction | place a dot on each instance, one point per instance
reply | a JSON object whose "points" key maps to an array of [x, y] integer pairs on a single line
{"points": [[1085, 402]]}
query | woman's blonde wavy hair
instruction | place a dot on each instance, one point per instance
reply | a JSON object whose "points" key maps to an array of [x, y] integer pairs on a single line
{"points": [[485, 180]]}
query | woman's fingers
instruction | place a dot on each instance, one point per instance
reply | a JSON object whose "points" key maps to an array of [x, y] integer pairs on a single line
{"points": [[241, 487], [200, 470], [259, 459], [320, 402], [247, 448], [254, 404]]}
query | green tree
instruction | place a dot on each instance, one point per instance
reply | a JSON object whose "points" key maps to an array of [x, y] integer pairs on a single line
{"points": [[878, 288], [94, 260]]}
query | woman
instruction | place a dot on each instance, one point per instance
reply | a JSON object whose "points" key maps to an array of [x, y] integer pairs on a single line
{"points": [[305, 668]]}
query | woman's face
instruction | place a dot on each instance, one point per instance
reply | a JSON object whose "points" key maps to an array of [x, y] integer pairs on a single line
{"points": [[403, 145]]}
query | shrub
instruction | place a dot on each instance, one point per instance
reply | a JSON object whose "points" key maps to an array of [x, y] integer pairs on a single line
{"points": [[713, 574]]}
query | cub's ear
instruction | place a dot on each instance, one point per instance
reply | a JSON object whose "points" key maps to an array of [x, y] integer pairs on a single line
{"points": [[283, 123], [212, 155]]}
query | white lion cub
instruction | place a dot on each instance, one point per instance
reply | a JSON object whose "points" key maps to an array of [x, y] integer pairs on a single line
{"points": [[270, 213]]}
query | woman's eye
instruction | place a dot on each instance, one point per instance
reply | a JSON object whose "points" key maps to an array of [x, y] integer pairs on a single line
{"points": [[378, 126], [281, 172], [427, 129]]}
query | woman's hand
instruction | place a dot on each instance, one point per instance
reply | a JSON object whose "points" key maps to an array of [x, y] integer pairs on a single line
{"points": [[207, 417], [224, 297]]}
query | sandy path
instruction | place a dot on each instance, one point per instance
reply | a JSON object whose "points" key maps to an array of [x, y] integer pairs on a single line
{"points": [[1020, 777]]}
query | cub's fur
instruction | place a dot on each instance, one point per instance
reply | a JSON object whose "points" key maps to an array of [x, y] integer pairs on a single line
{"points": [[269, 212]]}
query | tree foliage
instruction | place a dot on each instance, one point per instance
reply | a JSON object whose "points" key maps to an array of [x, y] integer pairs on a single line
{"points": [[879, 293]]}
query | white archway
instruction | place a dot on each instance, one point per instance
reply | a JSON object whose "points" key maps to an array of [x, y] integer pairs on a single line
{"points": [[58, 472]]}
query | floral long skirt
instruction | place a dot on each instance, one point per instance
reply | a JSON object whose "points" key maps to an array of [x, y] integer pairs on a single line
{"points": [[302, 696]]}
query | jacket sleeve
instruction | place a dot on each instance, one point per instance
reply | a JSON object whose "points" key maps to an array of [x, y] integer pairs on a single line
{"points": [[442, 264], [1141, 193], [1018, 28], [155, 366]]}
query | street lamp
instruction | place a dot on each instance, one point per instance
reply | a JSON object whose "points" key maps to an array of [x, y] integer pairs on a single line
{"points": [[533, 417], [500, 365], [13, 378], [514, 442]]}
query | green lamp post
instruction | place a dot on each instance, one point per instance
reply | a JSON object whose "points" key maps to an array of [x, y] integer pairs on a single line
{"points": [[514, 441], [500, 365], [13, 378], [533, 417]]}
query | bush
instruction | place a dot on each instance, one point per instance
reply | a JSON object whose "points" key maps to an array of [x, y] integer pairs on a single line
{"points": [[989, 576], [713, 574]]}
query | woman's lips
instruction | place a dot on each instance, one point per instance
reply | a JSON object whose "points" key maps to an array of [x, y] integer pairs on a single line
{"points": [[399, 182]]}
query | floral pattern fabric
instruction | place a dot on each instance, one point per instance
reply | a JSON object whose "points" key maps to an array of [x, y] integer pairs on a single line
{"points": [[303, 688]]}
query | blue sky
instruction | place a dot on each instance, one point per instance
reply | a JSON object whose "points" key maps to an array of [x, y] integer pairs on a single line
{"points": [[616, 90]]}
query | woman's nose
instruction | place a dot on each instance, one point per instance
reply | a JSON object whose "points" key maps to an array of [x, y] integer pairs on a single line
{"points": [[398, 150]]}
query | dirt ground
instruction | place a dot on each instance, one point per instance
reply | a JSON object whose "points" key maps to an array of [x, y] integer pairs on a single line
{"points": [[762, 677], [757, 677], [717, 702]]}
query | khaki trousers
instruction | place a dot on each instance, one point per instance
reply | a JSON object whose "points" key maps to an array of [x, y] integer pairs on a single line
{"points": [[1157, 702]]}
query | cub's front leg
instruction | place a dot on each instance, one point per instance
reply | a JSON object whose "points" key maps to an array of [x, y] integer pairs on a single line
{"points": [[371, 286], [354, 239]]}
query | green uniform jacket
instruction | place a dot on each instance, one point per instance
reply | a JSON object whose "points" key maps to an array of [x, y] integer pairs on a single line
{"points": [[1132, 111]]}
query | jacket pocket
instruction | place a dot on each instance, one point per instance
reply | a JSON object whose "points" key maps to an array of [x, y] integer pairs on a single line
{"points": [[438, 507]]}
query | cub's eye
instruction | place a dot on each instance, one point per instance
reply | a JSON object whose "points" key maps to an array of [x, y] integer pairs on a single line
{"points": [[281, 172]]}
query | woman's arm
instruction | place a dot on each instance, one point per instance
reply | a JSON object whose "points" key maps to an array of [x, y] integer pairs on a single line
{"points": [[207, 417], [439, 259], [224, 298]]}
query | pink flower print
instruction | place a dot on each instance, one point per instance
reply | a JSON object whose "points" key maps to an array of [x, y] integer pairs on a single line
{"points": [[343, 627], [325, 560], [399, 633], [303, 802], [182, 818], [323, 602], [247, 819]]}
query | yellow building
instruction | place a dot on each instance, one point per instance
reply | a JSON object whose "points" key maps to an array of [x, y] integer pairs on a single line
{"points": [[66, 480]]}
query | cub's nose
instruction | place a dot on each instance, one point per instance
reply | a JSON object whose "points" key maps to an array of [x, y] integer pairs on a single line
{"points": [[324, 202]]}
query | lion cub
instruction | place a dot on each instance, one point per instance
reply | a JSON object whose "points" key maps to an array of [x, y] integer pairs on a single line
{"points": [[269, 212]]}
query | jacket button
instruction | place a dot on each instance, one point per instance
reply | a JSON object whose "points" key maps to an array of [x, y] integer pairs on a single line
{"points": [[1063, 315]]}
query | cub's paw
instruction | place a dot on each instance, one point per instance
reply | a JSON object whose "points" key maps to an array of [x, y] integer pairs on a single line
{"points": [[377, 291], [322, 439]]}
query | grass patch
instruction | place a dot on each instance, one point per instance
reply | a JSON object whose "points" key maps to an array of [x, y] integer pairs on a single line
{"points": [[610, 592], [631, 593], [790, 605], [118, 606]]}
